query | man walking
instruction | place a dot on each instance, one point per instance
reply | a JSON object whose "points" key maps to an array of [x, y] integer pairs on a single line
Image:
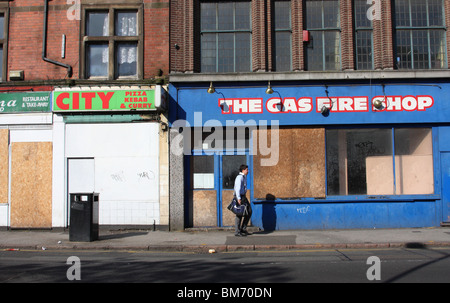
{"points": [[240, 190]]}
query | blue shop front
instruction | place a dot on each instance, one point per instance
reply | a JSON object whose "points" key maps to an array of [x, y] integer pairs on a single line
{"points": [[322, 155]]}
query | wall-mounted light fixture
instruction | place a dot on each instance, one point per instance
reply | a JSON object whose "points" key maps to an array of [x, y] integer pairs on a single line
{"points": [[378, 103], [325, 110], [269, 89], [211, 89]]}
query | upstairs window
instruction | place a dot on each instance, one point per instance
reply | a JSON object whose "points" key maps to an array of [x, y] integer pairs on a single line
{"points": [[323, 52], [3, 44], [225, 37], [363, 36], [112, 43], [283, 36], [420, 34]]}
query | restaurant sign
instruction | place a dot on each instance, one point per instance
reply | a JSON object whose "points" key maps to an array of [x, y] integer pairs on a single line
{"points": [[107, 100], [25, 102]]}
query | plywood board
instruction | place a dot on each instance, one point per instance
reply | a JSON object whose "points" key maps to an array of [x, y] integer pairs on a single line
{"points": [[4, 165], [413, 175], [379, 175], [300, 170], [205, 207], [227, 215], [31, 184]]}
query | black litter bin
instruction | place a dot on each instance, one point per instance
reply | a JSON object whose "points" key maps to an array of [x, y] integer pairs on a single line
{"points": [[83, 217]]}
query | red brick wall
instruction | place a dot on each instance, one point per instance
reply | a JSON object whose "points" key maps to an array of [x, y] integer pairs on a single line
{"points": [[156, 37], [26, 35], [347, 57], [298, 62], [259, 45], [382, 38], [182, 40]]}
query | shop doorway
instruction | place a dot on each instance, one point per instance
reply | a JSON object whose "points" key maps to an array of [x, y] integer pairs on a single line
{"points": [[30, 185], [29, 150], [212, 187], [445, 172], [80, 172], [228, 171]]}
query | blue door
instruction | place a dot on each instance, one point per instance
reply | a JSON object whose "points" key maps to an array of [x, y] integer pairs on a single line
{"points": [[212, 187], [445, 171], [228, 170]]}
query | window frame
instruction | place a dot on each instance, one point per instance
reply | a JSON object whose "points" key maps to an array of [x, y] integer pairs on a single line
{"points": [[361, 28], [241, 139], [218, 31], [4, 42], [388, 197], [112, 40], [282, 30], [198, 157], [323, 30], [410, 28]]}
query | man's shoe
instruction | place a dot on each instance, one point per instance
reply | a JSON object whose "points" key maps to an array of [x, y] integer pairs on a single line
{"points": [[246, 233], [240, 235]]}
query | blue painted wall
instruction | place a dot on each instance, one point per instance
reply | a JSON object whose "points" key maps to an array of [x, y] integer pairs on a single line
{"points": [[192, 104], [283, 216]]}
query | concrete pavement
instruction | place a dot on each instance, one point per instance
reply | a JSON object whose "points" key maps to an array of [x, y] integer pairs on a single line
{"points": [[223, 240]]}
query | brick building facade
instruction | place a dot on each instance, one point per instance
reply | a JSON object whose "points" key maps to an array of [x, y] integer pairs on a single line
{"points": [[26, 31], [82, 50], [186, 21]]}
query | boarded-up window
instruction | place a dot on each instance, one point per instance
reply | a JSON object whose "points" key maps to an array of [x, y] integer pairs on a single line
{"points": [[4, 165], [300, 170], [31, 184]]}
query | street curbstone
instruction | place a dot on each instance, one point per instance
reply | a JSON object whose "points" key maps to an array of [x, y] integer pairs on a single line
{"points": [[235, 248]]}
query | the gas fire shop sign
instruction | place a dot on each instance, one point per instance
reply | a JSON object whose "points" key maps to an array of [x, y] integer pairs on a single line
{"points": [[36, 102], [106, 100]]}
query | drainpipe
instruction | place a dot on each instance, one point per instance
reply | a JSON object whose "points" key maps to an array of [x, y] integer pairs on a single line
{"points": [[44, 44]]}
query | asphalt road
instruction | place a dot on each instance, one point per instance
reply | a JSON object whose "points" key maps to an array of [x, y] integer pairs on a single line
{"points": [[330, 266]]}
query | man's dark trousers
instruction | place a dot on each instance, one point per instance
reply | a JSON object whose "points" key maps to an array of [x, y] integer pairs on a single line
{"points": [[238, 228]]}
